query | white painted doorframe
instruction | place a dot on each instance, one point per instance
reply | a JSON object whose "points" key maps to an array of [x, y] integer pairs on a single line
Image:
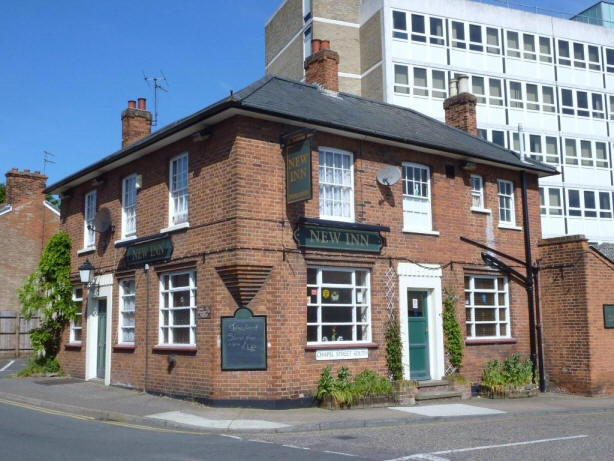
{"points": [[423, 277], [102, 288]]}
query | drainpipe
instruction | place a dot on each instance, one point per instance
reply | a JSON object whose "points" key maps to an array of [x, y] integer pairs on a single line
{"points": [[540, 344], [146, 327], [529, 267]]}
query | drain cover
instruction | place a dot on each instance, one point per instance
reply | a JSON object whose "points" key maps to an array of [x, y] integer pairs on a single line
{"points": [[56, 381]]}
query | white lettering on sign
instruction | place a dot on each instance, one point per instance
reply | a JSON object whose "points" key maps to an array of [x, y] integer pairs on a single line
{"points": [[342, 354]]}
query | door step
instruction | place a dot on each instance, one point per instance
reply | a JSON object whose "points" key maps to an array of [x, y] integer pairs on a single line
{"points": [[431, 397]]}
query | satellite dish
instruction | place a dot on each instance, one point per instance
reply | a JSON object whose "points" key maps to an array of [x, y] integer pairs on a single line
{"points": [[102, 222], [388, 175]]}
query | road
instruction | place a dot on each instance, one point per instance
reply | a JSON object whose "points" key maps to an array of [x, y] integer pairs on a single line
{"points": [[31, 433]]}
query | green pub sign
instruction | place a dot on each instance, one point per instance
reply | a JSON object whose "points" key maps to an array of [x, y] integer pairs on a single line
{"points": [[337, 238], [608, 315], [298, 172], [149, 252]]}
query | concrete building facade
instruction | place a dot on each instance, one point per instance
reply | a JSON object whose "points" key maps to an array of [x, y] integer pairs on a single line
{"points": [[553, 76]]}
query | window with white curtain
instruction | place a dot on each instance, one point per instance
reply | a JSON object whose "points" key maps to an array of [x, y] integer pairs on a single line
{"points": [[417, 214], [550, 201], [129, 206], [516, 99], [477, 192], [545, 49], [126, 311], [513, 44], [336, 182], [89, 216], [178, 188], [506, 202], [401, 79]]}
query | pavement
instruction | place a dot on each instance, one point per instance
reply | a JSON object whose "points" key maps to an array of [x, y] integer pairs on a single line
{"points": [[110, 403]]}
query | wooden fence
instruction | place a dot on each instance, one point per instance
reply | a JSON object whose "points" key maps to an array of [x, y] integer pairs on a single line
{"points": [[15, 334]]}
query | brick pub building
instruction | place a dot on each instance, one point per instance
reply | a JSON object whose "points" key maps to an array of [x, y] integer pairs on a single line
{"points": [[245, 247]]}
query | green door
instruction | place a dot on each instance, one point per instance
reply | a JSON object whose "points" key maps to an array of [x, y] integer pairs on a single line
{"points": [[417, 314], [102, 338]]}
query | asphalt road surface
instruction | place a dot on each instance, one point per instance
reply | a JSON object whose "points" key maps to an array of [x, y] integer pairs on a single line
{"points": [[30, 433], [27, 433]]}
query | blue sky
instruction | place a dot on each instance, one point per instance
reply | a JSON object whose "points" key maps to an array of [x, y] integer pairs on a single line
{"points": [[69, 68]]}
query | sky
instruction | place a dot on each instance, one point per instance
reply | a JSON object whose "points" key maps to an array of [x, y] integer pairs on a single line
{"points": [[68, 68]]}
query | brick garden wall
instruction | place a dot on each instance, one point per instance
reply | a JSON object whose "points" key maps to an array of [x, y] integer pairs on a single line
{"points": [[574, 281]]}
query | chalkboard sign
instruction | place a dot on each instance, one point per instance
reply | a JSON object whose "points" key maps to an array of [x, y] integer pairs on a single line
{"points": [[608, 315], [244, 341]]}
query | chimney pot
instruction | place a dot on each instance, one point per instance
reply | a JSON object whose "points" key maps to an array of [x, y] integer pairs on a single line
{"points": [[315, 45], [22, 185], [142, 104], [131, 104], [463, 84], [325, 45], [453, 87]]}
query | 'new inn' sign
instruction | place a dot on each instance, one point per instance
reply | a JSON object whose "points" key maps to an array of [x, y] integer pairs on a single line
{"points": [[150, 251], [298, 172], [332, 236]]}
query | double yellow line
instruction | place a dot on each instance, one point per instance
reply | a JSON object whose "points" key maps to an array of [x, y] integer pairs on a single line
{"points": [[92, 419]]}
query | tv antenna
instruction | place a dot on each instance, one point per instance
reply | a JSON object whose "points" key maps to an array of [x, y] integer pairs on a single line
{"points": [[47, 159], [157, 83]]}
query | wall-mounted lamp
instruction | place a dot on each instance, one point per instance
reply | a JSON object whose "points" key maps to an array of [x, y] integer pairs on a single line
{"points": [[86, 272], [468, 166]]}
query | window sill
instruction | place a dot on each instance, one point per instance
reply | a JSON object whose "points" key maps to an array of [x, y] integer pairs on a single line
{"points": [[125, 239], [124, 347], [420, 231], [481, 210], [174, 348], [183, 225], [341, 345], [73, 346], [87, 250], [510, 227], [486, 341]]}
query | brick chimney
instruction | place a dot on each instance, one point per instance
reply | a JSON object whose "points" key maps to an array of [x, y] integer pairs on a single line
{"points": [[460, 106], [24, 185], [136, 122], [322, 66]]}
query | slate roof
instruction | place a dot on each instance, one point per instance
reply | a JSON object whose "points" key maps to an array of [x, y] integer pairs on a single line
{"points": [[309, 103], [606, 249]]}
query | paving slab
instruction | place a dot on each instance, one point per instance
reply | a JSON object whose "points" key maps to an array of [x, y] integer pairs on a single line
{"points": [[450, 409]]}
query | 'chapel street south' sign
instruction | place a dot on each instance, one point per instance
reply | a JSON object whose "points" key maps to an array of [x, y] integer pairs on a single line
{"points": [[308, 235], [148, 252], [244, 341], [298, 172]]}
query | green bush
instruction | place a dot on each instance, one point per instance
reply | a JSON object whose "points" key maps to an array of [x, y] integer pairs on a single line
{"points": [[452, 331], [513, 373], [345, 391], [394, 349], [40, 367]]}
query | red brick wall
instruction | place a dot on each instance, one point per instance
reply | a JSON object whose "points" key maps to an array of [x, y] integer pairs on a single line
{"points": [[461, 113], [322, 67], [238, 216], [25, 231], [573, 288]]}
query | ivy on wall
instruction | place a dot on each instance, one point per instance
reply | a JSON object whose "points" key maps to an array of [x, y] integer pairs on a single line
{"points": [[394, 348], [452, 331], [47, 293]]}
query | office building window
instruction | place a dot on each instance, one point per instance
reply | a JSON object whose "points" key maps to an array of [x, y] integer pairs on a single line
{"points": [[458, 35], [513, 44], [609, 59], [594, 60], [571, 153], [399, 25], [550, 201], [475, 38], [421, 87], [529, 47], [401, 79], [493, 45], [545, 50], [418, 28], [516, 99], [436, 37], [579, 59], [564, 54]]}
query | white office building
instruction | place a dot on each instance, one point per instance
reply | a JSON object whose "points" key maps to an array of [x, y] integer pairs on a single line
{"points": [[553, 76]]}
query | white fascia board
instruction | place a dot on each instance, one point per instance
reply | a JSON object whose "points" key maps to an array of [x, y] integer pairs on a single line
{"points": [[51, 207], [6, 209]]}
